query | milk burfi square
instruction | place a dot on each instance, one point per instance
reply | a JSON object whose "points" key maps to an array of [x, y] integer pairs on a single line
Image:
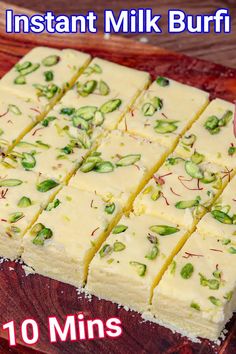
{"points": [[119, 167], [164, 111], [196, 296], [132, 259], [67, 234]]}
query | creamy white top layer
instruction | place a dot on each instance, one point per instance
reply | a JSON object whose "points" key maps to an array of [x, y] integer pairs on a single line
{"points": [[109, 87], [221, 221], [212, 135], [43, 72], [123, 161], [180, 190], [165, 111]]}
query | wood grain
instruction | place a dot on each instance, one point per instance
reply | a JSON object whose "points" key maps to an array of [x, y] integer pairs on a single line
{"points": [[39, 297], [218, 48]]}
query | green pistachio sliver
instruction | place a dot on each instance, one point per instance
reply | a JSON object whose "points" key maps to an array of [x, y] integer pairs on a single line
{"points": [[46, 185], [20, 80], [104, 167], [193, 170], [213, 284], [225, 241], [195, 306], [153, 253], [84, 140], [118, 229], [43, 145], [140, 267], [47, 120], [162, 81], [87, 88], [189, 140], [10, 182], [211, 123], [215, 301], [187, 271], [28, 161], [79, 122], [163, 230], [165, 127], [14, 109], [173, 267], [98, 119], [67, 111], [47, 91], [87, 166], [48, 75], [105, 250], [228, 296], [232, 250], [36, 229], [67, 150], [86, 112], [51, 60], [42, 235], [185, 204], [148, 109], [14, 217], [222, 217], [118, 246], [29, 69], [231, 150], [197, 158], [110, 208], [225, 119], [217, 274], [53, 205], [156, 195], [128, 160], [208, 177], [24, 202], [110, 106], [1, 131], [104, 89], [22, 66], [157, 103]]}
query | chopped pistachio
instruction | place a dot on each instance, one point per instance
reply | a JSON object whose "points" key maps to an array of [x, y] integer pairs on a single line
{"points": [[47, 185], [67, 111], [153, 253], [48, 75], [215, 301], [193, 169], [20, 80], [105, 250], [165, 126], [47, 91], [14, 109], [86, 112], [118, 246], [104, 167], [28, 161], [232, 250], [36, 228], [228, 296], [231, 150], [67, 150], [189, 140], [110, 106], [47, 120], [24, 202], [10, 182], [80, 122], [208, 177], [26, 68], [185, 204], [87, 88], [148, 109], [14, 217], [128, 160], [98, 118], [53, 205], [162, 81], [187, 271], [103, 88], [195, 306], [42, 235], [51, 60], [197, 158], [118, 229], [156, 195], [173, 267], [110, 208], [140, 267], [221, 217], [163, 230]]}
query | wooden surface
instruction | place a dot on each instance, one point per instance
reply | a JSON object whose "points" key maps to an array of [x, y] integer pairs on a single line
{"points": [[37, 297], [218, 48]]}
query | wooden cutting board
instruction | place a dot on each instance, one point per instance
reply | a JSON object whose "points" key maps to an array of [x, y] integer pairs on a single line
{"points": [[38, 297]]}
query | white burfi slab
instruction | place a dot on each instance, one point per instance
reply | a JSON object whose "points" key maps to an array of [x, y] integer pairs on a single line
{"points": [[132, 259], [165, 111], [181, 190], [221, 221], [212, 135], [53, 147], [63, 241], [123, 164], [22, 196], [196, 295], [109, 88], [44, 73], [17, 116]]}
